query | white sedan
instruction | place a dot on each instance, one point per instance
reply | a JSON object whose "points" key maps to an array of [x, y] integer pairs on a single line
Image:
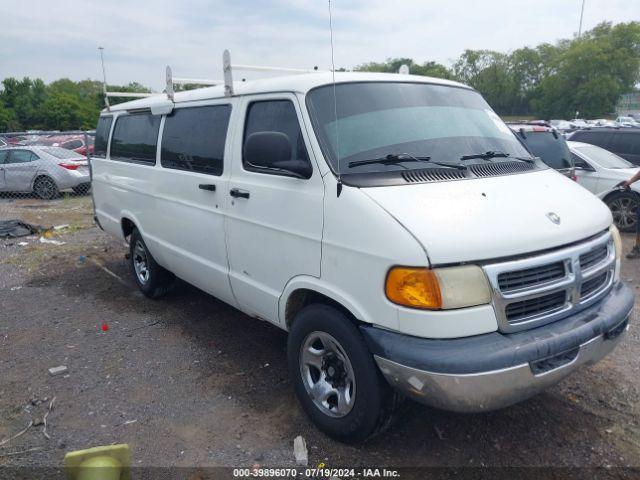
{"points": [[600, 171]]}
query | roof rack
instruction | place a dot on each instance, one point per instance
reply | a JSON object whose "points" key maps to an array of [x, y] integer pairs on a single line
{"points": [[227, 68]]}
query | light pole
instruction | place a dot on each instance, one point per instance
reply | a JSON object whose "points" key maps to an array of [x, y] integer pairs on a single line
{"points": [[104, 79], [581, 17]]}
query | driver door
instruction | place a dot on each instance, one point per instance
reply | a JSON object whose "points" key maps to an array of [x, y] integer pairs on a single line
{"points": [[274, 222]]}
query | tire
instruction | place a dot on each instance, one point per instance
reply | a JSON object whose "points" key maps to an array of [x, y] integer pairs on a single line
{"points": [[45, 188], [624, 208], [368, 402], [82, 189], [152, 279]]}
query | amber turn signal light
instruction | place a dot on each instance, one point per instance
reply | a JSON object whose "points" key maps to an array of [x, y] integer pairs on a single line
{"points": [[414, 287]]}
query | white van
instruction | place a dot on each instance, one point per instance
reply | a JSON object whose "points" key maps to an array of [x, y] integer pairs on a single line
{"points": [[392, 224]]}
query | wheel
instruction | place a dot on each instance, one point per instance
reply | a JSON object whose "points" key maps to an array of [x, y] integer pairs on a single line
{"points": [[45, 188], [624, 208], [153, 280], [335, 376], [82, 189]]}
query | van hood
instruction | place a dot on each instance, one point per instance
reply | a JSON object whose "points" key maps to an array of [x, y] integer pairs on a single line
{"points": [[489, 218]]}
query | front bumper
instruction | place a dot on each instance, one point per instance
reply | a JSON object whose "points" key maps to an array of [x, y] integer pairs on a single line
{"points": [[494, 370]]}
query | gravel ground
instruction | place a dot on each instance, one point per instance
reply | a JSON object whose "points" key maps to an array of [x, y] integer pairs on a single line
{"points": [[187, 380]]}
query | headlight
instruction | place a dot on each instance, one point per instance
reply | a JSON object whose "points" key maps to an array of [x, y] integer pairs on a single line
{"points": [[617, 244], [439, 288]]}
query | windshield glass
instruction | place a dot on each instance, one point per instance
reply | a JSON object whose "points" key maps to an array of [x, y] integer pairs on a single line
{"points": [[63, 153], [552, 149], [416, 119], [603, 157]]}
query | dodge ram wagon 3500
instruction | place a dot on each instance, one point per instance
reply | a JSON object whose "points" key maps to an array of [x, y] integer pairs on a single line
{"points": [[392, 224]]}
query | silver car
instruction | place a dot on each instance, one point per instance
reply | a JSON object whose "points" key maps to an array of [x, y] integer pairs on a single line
{"points": [[45, 171]]}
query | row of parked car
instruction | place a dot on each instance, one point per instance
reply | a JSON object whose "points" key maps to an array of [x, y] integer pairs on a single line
{"points": [[568, 126], [44, 164], [598, 158]]}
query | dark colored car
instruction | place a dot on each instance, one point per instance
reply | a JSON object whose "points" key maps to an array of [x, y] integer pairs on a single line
{"points": [[624, 142], [548, 144]]}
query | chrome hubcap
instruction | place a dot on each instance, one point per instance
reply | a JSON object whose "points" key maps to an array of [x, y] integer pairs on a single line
{"points": [[45, 187], [624, 211], [327, 374], [140, 263]]}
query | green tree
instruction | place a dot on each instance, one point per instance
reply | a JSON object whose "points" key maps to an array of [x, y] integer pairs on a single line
{"points": [[392, 65]]}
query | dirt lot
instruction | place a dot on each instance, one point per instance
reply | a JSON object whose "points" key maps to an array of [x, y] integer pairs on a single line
{"points": [[188, 380]]}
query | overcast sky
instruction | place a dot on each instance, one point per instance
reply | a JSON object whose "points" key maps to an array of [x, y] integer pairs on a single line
{"points": [[51, 39]]}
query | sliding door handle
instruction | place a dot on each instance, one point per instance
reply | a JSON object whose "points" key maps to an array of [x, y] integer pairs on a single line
{"points": [[207, 186], [237, 193]]}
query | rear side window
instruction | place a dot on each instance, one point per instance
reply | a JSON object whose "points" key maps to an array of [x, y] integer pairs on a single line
{"points": [[22, 156], [193, 139], [72, 144], [3, 156], [276, 116], [601, 139], [551, 149], [135, 138], [102, 136]]}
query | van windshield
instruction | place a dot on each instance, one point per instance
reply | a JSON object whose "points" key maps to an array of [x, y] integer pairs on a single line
{"points": [[414, 120]]}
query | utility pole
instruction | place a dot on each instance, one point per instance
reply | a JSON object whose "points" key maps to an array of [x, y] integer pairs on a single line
{"points": [[581, 17]]}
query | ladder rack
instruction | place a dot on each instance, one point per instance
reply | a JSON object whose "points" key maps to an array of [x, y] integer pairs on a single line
{"points": [[227, 68]]}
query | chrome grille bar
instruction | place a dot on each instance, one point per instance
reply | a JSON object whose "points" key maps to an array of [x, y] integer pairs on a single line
{"points": [[530, 296]]}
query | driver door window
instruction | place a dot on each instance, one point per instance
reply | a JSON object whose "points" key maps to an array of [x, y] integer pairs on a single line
{"points": [[274, 116]]}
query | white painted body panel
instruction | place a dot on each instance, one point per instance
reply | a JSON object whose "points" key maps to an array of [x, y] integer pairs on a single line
{"points": [[489, 218]]}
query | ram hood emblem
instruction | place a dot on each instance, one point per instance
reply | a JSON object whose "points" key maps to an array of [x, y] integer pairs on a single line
{"points": [[554, 217]]}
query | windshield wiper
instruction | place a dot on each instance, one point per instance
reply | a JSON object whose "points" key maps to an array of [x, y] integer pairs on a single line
{"points": [[485, 156], [397, 158], [391, 159]]}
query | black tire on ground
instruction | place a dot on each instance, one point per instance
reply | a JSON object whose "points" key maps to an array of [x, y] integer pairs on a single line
{"points": [[45, 188], [374, 402], [624, 208], [82, 189], [152, 279]]}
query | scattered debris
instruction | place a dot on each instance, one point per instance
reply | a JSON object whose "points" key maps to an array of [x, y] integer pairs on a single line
{"points": [[58, 370], [439, 432], [105, 327], [129, 422], [23, 244], [17, 228], [13, 289], [97, 263], [300, 451], [52, 242], [61, 227], [21, 452], [44, 419], [7, 440]]}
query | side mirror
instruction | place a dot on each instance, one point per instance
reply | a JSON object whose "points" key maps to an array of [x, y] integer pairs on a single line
{"points": [[272, 151]]}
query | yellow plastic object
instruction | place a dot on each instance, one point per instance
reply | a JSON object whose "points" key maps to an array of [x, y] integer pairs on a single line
{"points": [[413, 287], [110, 462]]}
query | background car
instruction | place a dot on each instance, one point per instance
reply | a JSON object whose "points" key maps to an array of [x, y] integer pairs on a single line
{"points": [[68, 142], [600, 171], [44, 171], [624, 142], [627, 121], [546, 143]]}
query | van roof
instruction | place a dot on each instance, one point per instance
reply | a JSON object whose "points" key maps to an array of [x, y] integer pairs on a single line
{"points": [[300, 83]]}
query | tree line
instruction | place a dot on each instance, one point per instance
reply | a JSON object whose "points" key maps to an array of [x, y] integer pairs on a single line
{"points": [[586, 74]]}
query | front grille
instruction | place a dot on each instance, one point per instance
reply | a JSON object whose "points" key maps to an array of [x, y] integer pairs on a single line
{"points": [[432, 175], [509, 281], [595, 256], [537, 306], [501, 168], [593, 285], [532, 291]]}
